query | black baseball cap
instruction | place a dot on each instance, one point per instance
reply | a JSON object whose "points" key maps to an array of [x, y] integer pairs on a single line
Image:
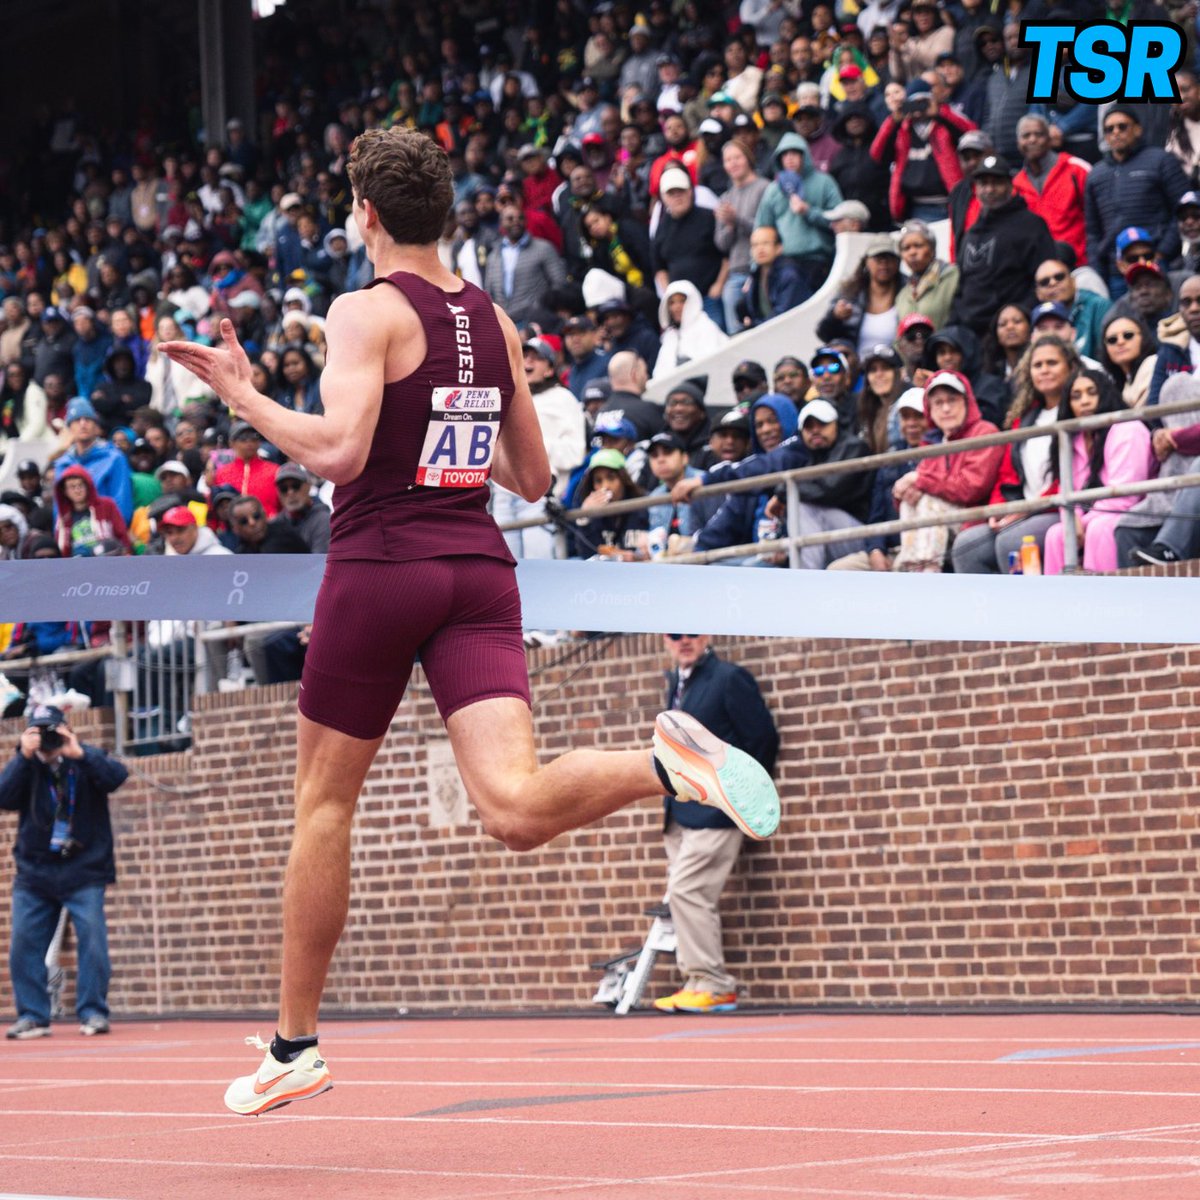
{"points": [[47, 716], [666, 440]]}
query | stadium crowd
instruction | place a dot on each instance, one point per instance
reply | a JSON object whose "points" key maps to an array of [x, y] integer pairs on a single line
{"points": [[635, 184]]}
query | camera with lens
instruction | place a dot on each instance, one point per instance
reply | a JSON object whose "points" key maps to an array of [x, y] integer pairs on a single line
{"points": [[918, 105], [51, 740]]}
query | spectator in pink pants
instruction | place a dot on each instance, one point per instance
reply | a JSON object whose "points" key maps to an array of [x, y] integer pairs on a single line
{"points": [[1100, 458]]}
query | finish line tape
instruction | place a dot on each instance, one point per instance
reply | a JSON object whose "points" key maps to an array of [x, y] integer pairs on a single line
{"points": [[611, 597]]}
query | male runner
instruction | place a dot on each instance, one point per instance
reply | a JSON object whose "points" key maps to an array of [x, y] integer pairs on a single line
{"points": [[425, 398]]}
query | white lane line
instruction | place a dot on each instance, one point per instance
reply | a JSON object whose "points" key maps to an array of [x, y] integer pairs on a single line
{"points": [[610, 1060], [560, 1123], [799, 1089]]}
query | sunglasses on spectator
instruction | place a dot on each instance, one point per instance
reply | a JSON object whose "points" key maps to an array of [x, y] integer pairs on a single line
{"points": [[827, 369], [1118, 126], [1051, 280], [678, 637], [741, 384], [1142, 256], [250, 520], [916, 334], [289, 485], [1111, 339]]}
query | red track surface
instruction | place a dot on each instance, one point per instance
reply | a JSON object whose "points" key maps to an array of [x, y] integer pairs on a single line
{"points": [[639, 1108]]}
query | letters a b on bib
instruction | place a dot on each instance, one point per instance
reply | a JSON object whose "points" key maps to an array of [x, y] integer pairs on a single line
{"points": [[460, 438]]}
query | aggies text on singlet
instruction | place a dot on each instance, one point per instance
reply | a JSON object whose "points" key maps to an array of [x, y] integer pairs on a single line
{"points": [[434, 425]]}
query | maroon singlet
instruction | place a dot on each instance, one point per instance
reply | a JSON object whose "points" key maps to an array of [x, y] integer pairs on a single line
{"points": [[415, 570], [384, 514]]}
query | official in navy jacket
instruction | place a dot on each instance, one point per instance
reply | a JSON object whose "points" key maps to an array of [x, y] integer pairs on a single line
{"points": [[702, 843]]}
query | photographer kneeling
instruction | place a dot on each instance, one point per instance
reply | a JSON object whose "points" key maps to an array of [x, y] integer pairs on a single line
{"points": [[64, 854]]}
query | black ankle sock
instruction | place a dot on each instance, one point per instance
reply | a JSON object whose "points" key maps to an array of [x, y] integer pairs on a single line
{"points": [[285, 1051], [663, 777]]}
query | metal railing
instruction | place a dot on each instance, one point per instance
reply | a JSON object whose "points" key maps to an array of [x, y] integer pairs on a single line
{"points": [[1066, 499], [153, 680]]}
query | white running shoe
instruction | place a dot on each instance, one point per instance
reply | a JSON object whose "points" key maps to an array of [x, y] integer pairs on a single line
{"points": [[704, 768], [275, 1084]]}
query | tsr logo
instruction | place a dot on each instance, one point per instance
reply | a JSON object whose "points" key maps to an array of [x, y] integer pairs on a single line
{"points": [[1103, 60]]}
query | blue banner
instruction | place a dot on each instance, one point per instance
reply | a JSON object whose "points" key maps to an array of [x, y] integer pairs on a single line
{"points": [[643, 598]]}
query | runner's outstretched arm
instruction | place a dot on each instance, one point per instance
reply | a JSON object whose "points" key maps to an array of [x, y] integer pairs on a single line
{"points": [[334, 444]]}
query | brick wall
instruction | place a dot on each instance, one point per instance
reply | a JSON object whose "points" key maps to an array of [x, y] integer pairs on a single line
{"points": [[964, 823]]}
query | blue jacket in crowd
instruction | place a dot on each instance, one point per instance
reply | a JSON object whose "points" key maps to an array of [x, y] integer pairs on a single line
{"points": [[110, 472]]}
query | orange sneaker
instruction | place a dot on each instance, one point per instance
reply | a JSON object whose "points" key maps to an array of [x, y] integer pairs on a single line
{"points": [[690, 1001]]}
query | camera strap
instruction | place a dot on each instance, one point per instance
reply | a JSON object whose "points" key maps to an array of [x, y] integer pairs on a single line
{"points": [[64, 810]]}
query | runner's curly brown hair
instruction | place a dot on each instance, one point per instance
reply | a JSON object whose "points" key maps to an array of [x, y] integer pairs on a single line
{"points": [[406, 176]]}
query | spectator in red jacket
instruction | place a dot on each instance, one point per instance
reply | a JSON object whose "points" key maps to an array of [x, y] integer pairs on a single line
{"points": [[1051, 184], [921, 182], [250, 474], [940, 485], [85, 518], [540, 181]]}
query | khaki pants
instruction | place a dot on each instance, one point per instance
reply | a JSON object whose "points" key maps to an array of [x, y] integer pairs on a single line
{"points": [[700, 862], [925, 549]]}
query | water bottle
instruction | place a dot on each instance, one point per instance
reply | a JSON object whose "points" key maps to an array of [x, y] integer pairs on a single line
{"points": [[1031, 556], [656, 544], [1014, 562]]}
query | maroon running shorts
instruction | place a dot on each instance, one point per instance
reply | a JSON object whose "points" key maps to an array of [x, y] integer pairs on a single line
{"points": [[461, 615]]}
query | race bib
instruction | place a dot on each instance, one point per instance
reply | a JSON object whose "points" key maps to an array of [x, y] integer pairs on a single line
{"points": [[460, 439]]}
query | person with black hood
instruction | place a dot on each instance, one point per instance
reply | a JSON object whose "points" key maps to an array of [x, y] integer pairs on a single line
{"points": [[859, 175], [956, 348], [120, 393], [1001, 251]]}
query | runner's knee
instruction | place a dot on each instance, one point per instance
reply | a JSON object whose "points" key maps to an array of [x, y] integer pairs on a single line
{"points": [[504, 820]]}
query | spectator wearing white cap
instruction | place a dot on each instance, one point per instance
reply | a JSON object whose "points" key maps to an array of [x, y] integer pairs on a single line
{"points": [[851, 216], [683, 246], [939, 486], [828, 502]]}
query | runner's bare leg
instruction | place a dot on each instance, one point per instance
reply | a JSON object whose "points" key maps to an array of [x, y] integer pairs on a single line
{"points": [[330, 769], [521, 805]]}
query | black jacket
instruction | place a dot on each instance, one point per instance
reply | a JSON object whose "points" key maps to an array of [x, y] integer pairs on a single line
{"points": [[996, 260], [725, 698], [27, 787], [646, 418], [281, 538], [685, 248], [858, 175]]}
